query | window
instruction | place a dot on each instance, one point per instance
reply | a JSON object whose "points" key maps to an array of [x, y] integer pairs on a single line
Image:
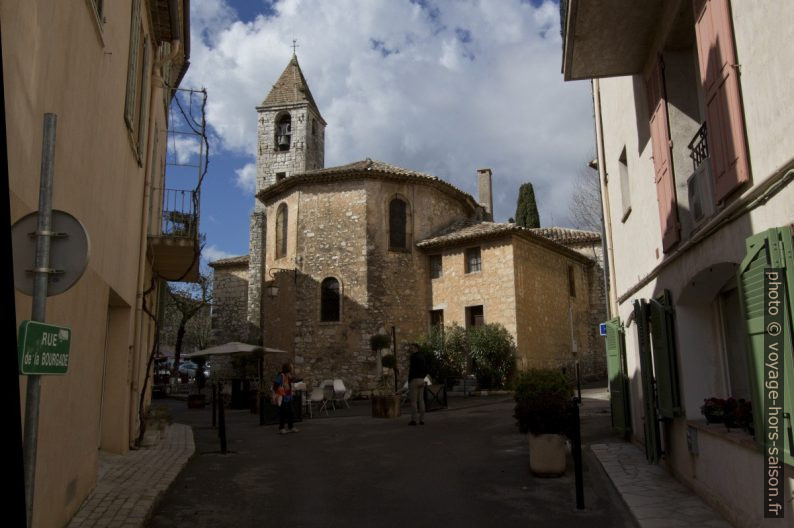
{"points": [[280, 176], [571, 281], [473, 260], [436, 318], [283, 132], [435, 266], [135, 111], [329, 300], [474, 316], [281, 231], [397, 224], [625, 193]]}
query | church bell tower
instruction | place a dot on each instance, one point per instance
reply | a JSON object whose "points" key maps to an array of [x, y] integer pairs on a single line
{"points": [[290, 140]]}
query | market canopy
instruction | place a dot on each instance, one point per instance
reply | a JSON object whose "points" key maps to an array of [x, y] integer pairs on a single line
{"points": [[233, 347]]}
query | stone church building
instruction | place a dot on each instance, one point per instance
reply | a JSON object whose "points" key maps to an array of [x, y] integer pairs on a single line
{"points": [[358, 249]]}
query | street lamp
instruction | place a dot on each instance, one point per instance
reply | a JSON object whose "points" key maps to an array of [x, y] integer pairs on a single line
{"points": [[271, 288]]}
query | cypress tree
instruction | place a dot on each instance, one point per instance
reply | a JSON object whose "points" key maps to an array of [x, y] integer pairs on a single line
{"points": [[526, 208]]}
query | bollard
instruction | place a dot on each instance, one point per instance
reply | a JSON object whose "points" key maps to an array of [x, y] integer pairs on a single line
{"points": [[214, 404], [261, 408], [221, 421], [576, 448]]}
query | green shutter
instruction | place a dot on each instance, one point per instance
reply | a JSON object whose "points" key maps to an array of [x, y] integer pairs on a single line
{"points": [[772, 248], [618, 381], [132, 64], [664, 359], [143, 127], [653, 447]]}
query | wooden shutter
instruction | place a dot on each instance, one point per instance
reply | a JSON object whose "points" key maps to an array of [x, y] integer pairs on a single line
{"points": [[653, 447], [770, 249], [143, 127], [662, 159], [719, 76], [132, 65], [664, 359], [618, 381]]}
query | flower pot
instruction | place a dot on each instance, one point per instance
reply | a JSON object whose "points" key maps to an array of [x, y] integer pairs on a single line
{"points": [[386, 406], [547, 454]]}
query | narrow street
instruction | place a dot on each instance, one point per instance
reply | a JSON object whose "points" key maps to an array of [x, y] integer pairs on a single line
{"points": [[468, 466]]}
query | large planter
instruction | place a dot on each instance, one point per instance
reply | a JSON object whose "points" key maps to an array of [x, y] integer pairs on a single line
{"points": [[547, 455], [386, 406]]}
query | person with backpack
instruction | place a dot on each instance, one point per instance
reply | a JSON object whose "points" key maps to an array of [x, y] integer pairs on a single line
{"points": [[417, 370], [282, 388]]}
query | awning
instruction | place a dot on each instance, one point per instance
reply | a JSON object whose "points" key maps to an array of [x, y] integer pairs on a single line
{"points": [[233, 347]]}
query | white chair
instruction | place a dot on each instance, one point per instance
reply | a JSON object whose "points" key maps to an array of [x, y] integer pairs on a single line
{"points": [[317, 396], [328, 397], [340, 392]]}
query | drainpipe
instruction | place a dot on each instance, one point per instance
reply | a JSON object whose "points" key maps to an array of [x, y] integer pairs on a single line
{"points": [[607, 244]]}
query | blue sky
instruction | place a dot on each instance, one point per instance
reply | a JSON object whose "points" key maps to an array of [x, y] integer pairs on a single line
{"points": [[435, 86]]}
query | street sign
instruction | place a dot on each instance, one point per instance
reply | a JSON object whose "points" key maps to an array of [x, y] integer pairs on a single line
{"points": [[602, 329], [69, 251], [43, 348]]}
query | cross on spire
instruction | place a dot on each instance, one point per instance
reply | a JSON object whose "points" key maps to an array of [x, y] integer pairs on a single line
{"points": [[294, 45]]}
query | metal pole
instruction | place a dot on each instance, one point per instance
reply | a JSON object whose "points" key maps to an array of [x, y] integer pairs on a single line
{"points": [[221, 420], [214, 403], [577, 454], [40, 279]]}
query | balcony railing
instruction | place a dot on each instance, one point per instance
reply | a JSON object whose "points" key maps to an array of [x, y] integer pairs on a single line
{"points": [[180, 213], [699, 147]]}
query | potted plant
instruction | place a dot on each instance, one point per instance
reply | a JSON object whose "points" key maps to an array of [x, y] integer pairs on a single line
{"points": [[713, 409], [385, 401], [543, 399]]}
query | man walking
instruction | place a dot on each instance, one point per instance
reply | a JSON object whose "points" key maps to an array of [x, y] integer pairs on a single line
{"points": [[417, 370]]}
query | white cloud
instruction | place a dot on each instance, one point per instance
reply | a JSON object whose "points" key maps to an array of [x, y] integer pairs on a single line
{"points": [[444, 88], [212, 253], [245, 178]]}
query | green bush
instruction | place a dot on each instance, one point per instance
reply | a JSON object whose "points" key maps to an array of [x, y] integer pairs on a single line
{"points": [[492, 351], [388, 361], [543, 398]]}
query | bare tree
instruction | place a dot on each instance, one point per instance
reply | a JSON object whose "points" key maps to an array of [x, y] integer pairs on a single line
{"points": [[186, 318], [584, 206]]}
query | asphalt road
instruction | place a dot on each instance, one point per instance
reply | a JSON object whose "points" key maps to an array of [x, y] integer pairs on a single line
{"points": [[468, 466]]}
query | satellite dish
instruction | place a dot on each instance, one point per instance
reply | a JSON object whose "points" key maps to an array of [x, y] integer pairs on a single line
{"points": [[69, 251]]}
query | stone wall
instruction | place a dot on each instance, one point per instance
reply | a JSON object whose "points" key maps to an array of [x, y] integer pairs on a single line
{"points": [[306, 152], [493, 287], [230, 306], [340, 230], [553, 326]]}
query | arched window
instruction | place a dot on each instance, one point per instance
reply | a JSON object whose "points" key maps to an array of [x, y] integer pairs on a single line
{"points": [[283, 132], [329, 300], [281, 231], [397, 224]]}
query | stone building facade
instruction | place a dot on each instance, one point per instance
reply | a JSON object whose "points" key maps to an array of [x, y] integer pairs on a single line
{"points": [[349, 249]]}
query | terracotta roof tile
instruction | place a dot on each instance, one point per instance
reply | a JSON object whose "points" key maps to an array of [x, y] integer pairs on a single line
{"points": [[566, 236], [229, 262], [366, 168], [472, 230]]}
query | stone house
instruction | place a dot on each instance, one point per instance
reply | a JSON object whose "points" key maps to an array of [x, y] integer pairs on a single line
{"points": [[108, 70], [353, 251], [695, 142]]}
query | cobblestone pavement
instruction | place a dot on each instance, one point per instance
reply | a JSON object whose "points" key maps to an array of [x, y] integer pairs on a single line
{"points": [[129, 485]]}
